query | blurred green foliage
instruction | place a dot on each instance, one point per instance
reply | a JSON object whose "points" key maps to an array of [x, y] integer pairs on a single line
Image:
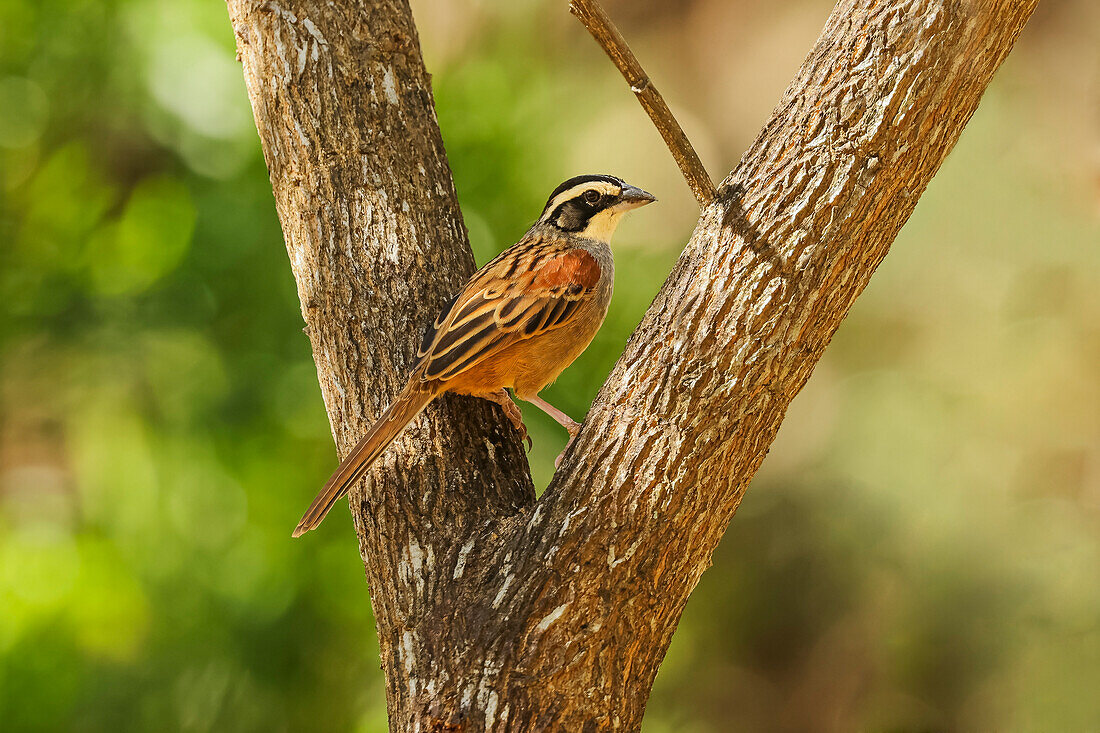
{"points": [[920, 552]]}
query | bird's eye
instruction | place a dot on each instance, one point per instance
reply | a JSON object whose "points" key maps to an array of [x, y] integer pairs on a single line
{"points": [[591, 196]]}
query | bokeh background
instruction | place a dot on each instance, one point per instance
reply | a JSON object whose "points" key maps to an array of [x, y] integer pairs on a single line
{"points": [[921, 551]]}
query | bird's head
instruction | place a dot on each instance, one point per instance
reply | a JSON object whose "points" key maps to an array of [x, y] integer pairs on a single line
{"points": [[591, 206]]}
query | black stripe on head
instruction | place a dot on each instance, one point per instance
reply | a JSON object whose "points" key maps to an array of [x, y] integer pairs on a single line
{"points": [[577, 180], [575, 202]]}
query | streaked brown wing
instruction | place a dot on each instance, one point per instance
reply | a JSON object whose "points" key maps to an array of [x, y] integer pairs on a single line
{"points": [[531, 288]]}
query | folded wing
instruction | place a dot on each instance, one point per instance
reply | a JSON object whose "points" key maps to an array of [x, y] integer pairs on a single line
{"points": [[528, 290]]}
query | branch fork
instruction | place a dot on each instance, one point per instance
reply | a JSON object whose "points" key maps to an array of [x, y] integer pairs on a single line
{"points": [[496, 611]]}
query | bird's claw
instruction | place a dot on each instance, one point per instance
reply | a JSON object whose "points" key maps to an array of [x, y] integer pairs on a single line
{"points": [[517, 423], [511, 411]]}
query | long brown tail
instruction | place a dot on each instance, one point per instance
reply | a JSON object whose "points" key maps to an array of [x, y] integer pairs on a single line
{"points": [[408, 405]]}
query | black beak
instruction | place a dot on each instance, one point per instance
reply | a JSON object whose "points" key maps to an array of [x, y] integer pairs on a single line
{"points": [[634, 197]]}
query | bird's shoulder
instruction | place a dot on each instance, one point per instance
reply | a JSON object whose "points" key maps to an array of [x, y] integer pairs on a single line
{"points": [[535, 285], [538, 264]]}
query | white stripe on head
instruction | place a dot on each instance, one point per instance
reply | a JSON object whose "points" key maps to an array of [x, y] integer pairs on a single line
{"points": [[599, 186]]}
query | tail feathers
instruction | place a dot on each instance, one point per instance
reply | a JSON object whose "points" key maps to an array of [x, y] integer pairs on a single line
{"points": [[407, 406]]}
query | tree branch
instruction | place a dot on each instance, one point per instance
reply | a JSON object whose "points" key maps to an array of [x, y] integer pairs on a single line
{"points": [[599, 24], [344, 110], [496, 612], [689, 411]]}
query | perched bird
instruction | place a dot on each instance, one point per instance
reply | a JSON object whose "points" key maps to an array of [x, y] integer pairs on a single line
{"points": [[517, 324]]}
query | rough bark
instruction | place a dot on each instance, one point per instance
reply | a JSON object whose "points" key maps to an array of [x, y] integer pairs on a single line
{"points": [[494, 611], [346, 118]]}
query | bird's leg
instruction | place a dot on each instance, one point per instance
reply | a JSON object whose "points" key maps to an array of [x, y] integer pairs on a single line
{"points": [[511, 411], [571, 426]]}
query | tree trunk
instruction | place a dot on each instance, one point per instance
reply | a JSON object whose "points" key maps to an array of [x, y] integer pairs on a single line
{"points": [[496, 611]]}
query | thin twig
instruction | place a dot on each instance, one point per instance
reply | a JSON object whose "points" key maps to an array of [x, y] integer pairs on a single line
{"points": [[596, 20]]}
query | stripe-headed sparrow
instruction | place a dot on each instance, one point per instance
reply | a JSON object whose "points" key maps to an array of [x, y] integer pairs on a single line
{"points": [[517, 324]]}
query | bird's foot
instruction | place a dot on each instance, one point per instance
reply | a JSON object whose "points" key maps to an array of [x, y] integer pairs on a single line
{"points": [[572, 429], [571, 426], [511, 411]]}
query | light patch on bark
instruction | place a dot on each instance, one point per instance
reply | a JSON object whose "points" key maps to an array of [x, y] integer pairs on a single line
{"points": [[551, 618], [416, 556], [468, 696], [491, 709], [503, 589], [313, 31], [460, 565], [389, 87], [614, 561], [301, 133], [408, 652]]}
